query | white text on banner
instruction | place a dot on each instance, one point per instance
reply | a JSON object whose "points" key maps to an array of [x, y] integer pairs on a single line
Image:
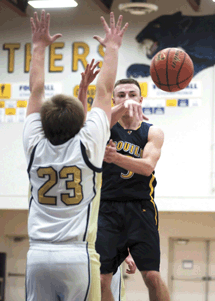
{"points": [[194, 89], [22, 90]]}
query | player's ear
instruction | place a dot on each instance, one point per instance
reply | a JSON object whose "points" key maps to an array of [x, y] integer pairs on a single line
{"points": [[113, 101], [141, 99]]}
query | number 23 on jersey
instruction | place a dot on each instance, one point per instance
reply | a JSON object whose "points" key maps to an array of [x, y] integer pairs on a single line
{"points": [[70, 185]]}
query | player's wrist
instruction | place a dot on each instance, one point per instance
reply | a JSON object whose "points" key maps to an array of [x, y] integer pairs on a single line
{"points": [[115, 158], [112, 46], [39, 47], [83, 86]]}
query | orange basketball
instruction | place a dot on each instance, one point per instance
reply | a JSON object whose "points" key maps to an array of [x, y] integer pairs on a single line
{"points": [[171, 69]]}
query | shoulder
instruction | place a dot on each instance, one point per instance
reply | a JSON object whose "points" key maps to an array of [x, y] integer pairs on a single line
{"points": [[32, 123], [145, 126], [97, 112], [156, 134], [32, 117], [116, 127], [97, 118], [156, 131]]}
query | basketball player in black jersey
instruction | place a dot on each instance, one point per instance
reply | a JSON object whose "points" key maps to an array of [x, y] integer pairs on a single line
{"points": [[128, 216]]}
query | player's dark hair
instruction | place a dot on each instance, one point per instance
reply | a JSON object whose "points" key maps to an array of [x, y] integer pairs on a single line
{"points": [[127, 81], [62, 118]]}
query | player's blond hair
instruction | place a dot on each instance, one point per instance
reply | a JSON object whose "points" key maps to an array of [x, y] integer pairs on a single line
{"points": [[62, 118]]}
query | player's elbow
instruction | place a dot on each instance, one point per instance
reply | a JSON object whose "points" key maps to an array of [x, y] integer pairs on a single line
{"points": [[148, 170], [109, 87], [37, 89], [103, 90]]}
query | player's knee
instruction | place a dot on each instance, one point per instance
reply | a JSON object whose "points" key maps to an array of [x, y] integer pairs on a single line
{"points": [[151, 278]]}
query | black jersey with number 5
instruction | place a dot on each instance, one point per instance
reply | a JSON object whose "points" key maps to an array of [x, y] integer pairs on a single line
{"points": [[119, 184]]}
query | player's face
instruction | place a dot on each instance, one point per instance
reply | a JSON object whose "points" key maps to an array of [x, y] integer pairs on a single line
{"points": [[126, 91]]}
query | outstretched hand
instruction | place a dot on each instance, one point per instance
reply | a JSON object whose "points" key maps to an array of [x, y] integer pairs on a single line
{"points": [[135, 110], [40, 30], [113, 34], [89, 75]]}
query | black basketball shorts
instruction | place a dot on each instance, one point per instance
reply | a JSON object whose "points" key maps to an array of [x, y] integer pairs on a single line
{"points": [[133, 225]]}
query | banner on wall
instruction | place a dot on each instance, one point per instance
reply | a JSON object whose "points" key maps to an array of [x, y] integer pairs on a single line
{"points": [[5, 91], [14, 100], [194, 89], [22, 90], [91, 92], [13, 110], [156, 100]]}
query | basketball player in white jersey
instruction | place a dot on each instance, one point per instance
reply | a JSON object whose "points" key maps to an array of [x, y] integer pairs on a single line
{"points": [[64, 157]]}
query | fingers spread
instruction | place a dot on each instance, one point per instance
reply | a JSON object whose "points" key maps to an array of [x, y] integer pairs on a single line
{"points": [[92, 62], [119, 23], [97, 72], [37, 22], [106, 28], [47, 21], [56, 36], [112, 21], [42, 23], [124, 30], [87, 68], [96, 65], [99, 39], [33, 27]]}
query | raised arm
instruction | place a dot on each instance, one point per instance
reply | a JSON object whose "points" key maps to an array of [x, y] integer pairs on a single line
{"points": [[107, 75], [41, 39], [151, 154], [86, 79]]}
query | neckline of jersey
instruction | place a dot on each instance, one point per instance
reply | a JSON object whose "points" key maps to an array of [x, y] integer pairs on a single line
{"points": [[130, 129]]}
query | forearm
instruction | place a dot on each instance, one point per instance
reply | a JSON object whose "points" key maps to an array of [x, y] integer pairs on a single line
{"points": [[37, 72], [107, 75], [37, 80], [136, 165], [82, 96]]}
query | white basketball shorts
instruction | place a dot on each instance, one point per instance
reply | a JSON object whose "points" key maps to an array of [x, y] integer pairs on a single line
{"points": [[62, 273]]}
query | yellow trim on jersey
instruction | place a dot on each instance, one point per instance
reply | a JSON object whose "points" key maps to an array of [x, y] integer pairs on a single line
{"points": [[122, 294], [95, 284], [29, 193], [94, 211], [152, 200], [138, 127], [129, 129]]}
